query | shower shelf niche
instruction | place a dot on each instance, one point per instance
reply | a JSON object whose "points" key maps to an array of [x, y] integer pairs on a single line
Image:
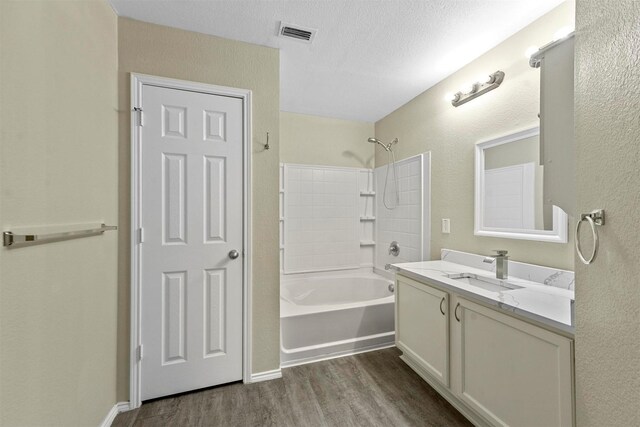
{"points": [[367, 192]]}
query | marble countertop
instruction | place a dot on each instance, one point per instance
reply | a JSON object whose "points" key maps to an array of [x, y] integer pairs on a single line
{"points": [[547, 306]]}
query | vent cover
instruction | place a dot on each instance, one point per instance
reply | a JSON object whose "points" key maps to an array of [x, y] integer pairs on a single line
{"points": [[297, 32]]}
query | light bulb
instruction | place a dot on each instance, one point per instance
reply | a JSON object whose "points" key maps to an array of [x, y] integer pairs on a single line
{"points": [[484, 78], [449, 96], [467, 88]]}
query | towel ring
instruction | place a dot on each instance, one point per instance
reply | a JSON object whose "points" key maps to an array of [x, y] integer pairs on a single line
{"points": [[594, 218]]}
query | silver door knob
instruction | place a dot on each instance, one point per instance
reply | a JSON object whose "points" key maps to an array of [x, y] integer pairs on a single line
{"points": [[233, 254]]}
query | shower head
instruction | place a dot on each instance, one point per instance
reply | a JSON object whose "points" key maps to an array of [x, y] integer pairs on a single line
{"points": [[387, 147]]}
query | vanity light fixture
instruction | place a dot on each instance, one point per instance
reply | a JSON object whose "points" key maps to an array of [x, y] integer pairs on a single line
{"points": [[478, 88]]}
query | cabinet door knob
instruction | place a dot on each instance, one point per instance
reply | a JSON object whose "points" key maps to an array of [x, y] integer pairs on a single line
{"points": [[441, 310], [455, 312]]}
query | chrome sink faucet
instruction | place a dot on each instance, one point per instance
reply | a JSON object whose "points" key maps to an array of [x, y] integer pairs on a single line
{"points": [[502, 263]]}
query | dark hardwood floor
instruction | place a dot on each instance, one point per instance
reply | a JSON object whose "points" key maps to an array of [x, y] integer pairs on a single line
{"points": [[368, 389]]}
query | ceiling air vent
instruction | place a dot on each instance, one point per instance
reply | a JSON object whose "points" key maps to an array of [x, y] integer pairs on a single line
{"points": [[297, 32]]}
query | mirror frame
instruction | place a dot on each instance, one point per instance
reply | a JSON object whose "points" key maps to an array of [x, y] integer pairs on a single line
{"points": [[559, 233]]}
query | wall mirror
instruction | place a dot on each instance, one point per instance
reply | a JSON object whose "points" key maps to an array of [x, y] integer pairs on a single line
{"points": [[510, 200]]}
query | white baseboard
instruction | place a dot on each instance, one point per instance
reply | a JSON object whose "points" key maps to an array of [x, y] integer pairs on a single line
{"points": [[113, 412], [266, 375], [123, 406], [110, 416]]}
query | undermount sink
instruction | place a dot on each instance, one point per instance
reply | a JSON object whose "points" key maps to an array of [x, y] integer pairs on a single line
{"points": [[486, 283]]}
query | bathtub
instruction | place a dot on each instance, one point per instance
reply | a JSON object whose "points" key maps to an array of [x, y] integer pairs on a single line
{"points": [[329, 315]]}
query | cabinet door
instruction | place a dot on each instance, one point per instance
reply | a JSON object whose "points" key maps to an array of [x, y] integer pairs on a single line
{"points": [[422, 326], [511, 372]]}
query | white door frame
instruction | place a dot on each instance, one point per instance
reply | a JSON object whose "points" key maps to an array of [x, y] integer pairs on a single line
{"points": [[137, 82]]}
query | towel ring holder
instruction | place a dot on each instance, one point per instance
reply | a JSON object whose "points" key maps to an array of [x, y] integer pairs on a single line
{"points": [[595, 219]]}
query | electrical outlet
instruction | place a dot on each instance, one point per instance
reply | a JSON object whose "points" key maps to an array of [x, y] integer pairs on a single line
{"points": [[446, 225]]}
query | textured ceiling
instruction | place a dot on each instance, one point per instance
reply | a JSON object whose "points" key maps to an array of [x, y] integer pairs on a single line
{"points": [[368, 58]]}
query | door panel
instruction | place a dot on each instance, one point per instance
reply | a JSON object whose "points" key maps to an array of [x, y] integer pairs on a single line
{"points": [[173, 317], [215, 173], [191, 293], [174, 190], [214, 326]]}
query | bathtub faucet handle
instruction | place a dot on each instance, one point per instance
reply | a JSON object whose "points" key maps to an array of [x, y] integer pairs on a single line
{"points": [[394, 248]]}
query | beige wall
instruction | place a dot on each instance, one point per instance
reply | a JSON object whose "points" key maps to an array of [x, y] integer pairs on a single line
{"points": [[306, 139], [608, 292], [59, 155], [168, 52], [430, 123]]}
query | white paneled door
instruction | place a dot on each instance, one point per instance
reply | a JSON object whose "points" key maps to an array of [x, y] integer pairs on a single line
{"points": [[191, 255]]}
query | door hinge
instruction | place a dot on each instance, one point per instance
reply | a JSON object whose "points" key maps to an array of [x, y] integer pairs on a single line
{"points": [[140, 235], [139, 353], [140, 115]]}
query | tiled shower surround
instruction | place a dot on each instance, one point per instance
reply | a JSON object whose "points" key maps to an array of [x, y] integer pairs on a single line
{"points": [[407, 223], [321, 218], [333, 218]]}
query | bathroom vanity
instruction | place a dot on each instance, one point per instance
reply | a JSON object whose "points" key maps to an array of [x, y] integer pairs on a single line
{"points": [[501, 351]]}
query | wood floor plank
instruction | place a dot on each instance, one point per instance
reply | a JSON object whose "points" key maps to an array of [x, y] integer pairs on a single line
{"points": [[367, 389]]}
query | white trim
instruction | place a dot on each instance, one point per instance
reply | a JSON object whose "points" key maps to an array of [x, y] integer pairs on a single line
{"points": [[265, 376], [137, 82], [123, 406], [426, 206], [108, 420], [559, 233], [113, 412], [339, 354]]}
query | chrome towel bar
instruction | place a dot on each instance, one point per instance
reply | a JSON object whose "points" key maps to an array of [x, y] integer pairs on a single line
{"points": [[10, 239]]}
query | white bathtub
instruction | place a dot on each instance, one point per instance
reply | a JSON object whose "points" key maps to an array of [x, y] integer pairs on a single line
{"points": [[324, 316]]}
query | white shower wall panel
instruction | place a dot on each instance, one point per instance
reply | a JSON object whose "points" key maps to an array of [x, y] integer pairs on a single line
{"points": [[321, 218], [408, 223]]}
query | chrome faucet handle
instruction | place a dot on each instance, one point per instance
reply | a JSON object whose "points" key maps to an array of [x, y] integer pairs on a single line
{"points": [[394, 248]]}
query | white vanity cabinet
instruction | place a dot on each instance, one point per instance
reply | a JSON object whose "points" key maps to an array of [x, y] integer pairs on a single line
{"points": [[422, 326], [496, 369], [509, 371]]}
